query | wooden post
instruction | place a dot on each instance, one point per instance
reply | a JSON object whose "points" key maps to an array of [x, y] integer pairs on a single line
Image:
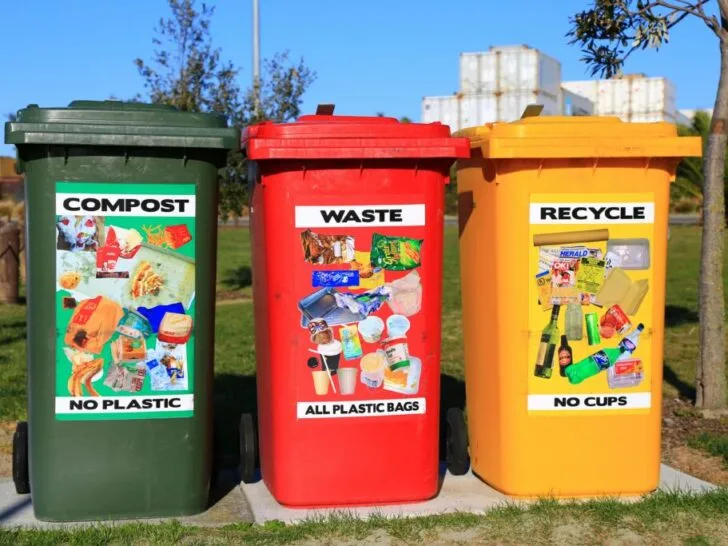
{"points": [[9, 262]]}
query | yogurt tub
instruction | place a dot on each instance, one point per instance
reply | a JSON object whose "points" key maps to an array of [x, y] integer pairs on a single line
{"points": [[372, 369], [397, 352], [397, 326], [371, 329]]}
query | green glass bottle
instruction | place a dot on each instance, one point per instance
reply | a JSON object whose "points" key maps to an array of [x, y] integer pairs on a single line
{"points": [[593, 364], [547, 346]]}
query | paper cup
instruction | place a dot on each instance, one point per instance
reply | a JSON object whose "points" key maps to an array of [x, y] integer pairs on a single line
{"points": [[371, 329], [320, 382], [332, 353]]}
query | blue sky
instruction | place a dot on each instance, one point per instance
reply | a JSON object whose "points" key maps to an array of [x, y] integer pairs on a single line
{"points": [[370, 56]]}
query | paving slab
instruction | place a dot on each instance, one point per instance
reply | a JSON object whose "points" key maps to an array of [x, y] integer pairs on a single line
{"points": [[458, 494], [253, 503], [228, 506]]}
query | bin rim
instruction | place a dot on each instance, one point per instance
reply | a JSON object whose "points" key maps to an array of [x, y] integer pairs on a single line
{"points": [[116, 123], [554, 137], [351, 137]]}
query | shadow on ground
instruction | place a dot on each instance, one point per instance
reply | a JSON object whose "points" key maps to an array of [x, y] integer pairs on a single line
{"points": [[676, 316], [685, 390], [240, 277], [236, 394]]}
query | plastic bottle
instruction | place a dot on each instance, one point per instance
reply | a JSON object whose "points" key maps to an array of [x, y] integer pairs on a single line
{"points": [[593, 364], [574, 321], [629, 343]]}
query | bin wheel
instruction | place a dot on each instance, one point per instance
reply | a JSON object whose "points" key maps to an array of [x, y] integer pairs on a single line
{"points": [[456, 443], [21, 475], [248, 448]]}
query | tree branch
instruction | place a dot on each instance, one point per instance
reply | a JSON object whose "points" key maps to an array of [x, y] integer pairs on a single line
{"points": [[691, 9]]}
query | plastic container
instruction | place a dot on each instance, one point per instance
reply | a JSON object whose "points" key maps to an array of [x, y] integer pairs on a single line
{"points": [[546, 195], [344, 193], [98, 174]]}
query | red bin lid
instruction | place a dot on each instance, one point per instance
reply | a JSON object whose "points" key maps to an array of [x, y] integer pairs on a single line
{"points": [[351, 137]]}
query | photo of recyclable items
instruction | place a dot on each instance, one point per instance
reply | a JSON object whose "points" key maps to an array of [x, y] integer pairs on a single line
{"points": [[327, 249], [619, 288], [357, 321], [575, 271], [587, 277], [628, 253], [396, 253], [80, 233]]}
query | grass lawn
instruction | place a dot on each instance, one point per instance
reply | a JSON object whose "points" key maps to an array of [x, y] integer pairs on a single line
{"points": [[662, 519], [689, 520]]}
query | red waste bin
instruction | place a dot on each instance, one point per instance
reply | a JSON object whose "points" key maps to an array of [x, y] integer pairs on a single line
{"points": [[347, 227]]}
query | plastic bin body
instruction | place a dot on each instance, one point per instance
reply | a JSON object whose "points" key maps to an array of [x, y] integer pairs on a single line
{"points": [[531, 436], [120, 461], [374, 446]]}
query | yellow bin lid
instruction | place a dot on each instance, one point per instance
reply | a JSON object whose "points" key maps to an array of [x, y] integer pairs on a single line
{"points": [[582, 136]]}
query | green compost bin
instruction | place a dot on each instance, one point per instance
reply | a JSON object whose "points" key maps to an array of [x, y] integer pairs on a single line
{"points": [[121, 218]]}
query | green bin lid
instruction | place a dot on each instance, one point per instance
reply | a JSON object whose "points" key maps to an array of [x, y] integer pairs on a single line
{"points": [[116, 123]]}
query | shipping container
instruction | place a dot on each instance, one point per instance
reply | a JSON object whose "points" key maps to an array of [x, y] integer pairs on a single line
{"points": [[651, 117], [445, 109], [627, 96], [461, 111], [509, 69], [573, 104]]}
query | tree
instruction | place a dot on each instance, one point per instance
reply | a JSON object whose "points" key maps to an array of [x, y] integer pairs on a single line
{"points": [[689, 179], [608, 32], [188, 72]]}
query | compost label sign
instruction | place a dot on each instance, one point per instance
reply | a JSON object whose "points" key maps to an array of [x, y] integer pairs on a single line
{"points": [[125, 300], [590, 302]]}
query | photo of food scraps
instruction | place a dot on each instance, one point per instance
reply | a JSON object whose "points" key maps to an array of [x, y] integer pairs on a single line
{"points": [[574, 272], [149, 273], [131, 307], [357, 321]]}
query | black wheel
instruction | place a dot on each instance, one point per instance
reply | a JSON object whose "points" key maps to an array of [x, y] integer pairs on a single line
{"points": [[456, 442], [248, 448], [21, 475]]}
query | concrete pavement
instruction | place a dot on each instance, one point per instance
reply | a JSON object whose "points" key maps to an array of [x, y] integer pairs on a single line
{"points": [[253, 503]]}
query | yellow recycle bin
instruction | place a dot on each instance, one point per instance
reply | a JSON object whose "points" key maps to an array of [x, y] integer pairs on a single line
{"points": [[563, 236]]}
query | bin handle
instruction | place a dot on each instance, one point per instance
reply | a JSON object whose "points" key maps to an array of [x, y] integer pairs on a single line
{"points": [[532, 111]]}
